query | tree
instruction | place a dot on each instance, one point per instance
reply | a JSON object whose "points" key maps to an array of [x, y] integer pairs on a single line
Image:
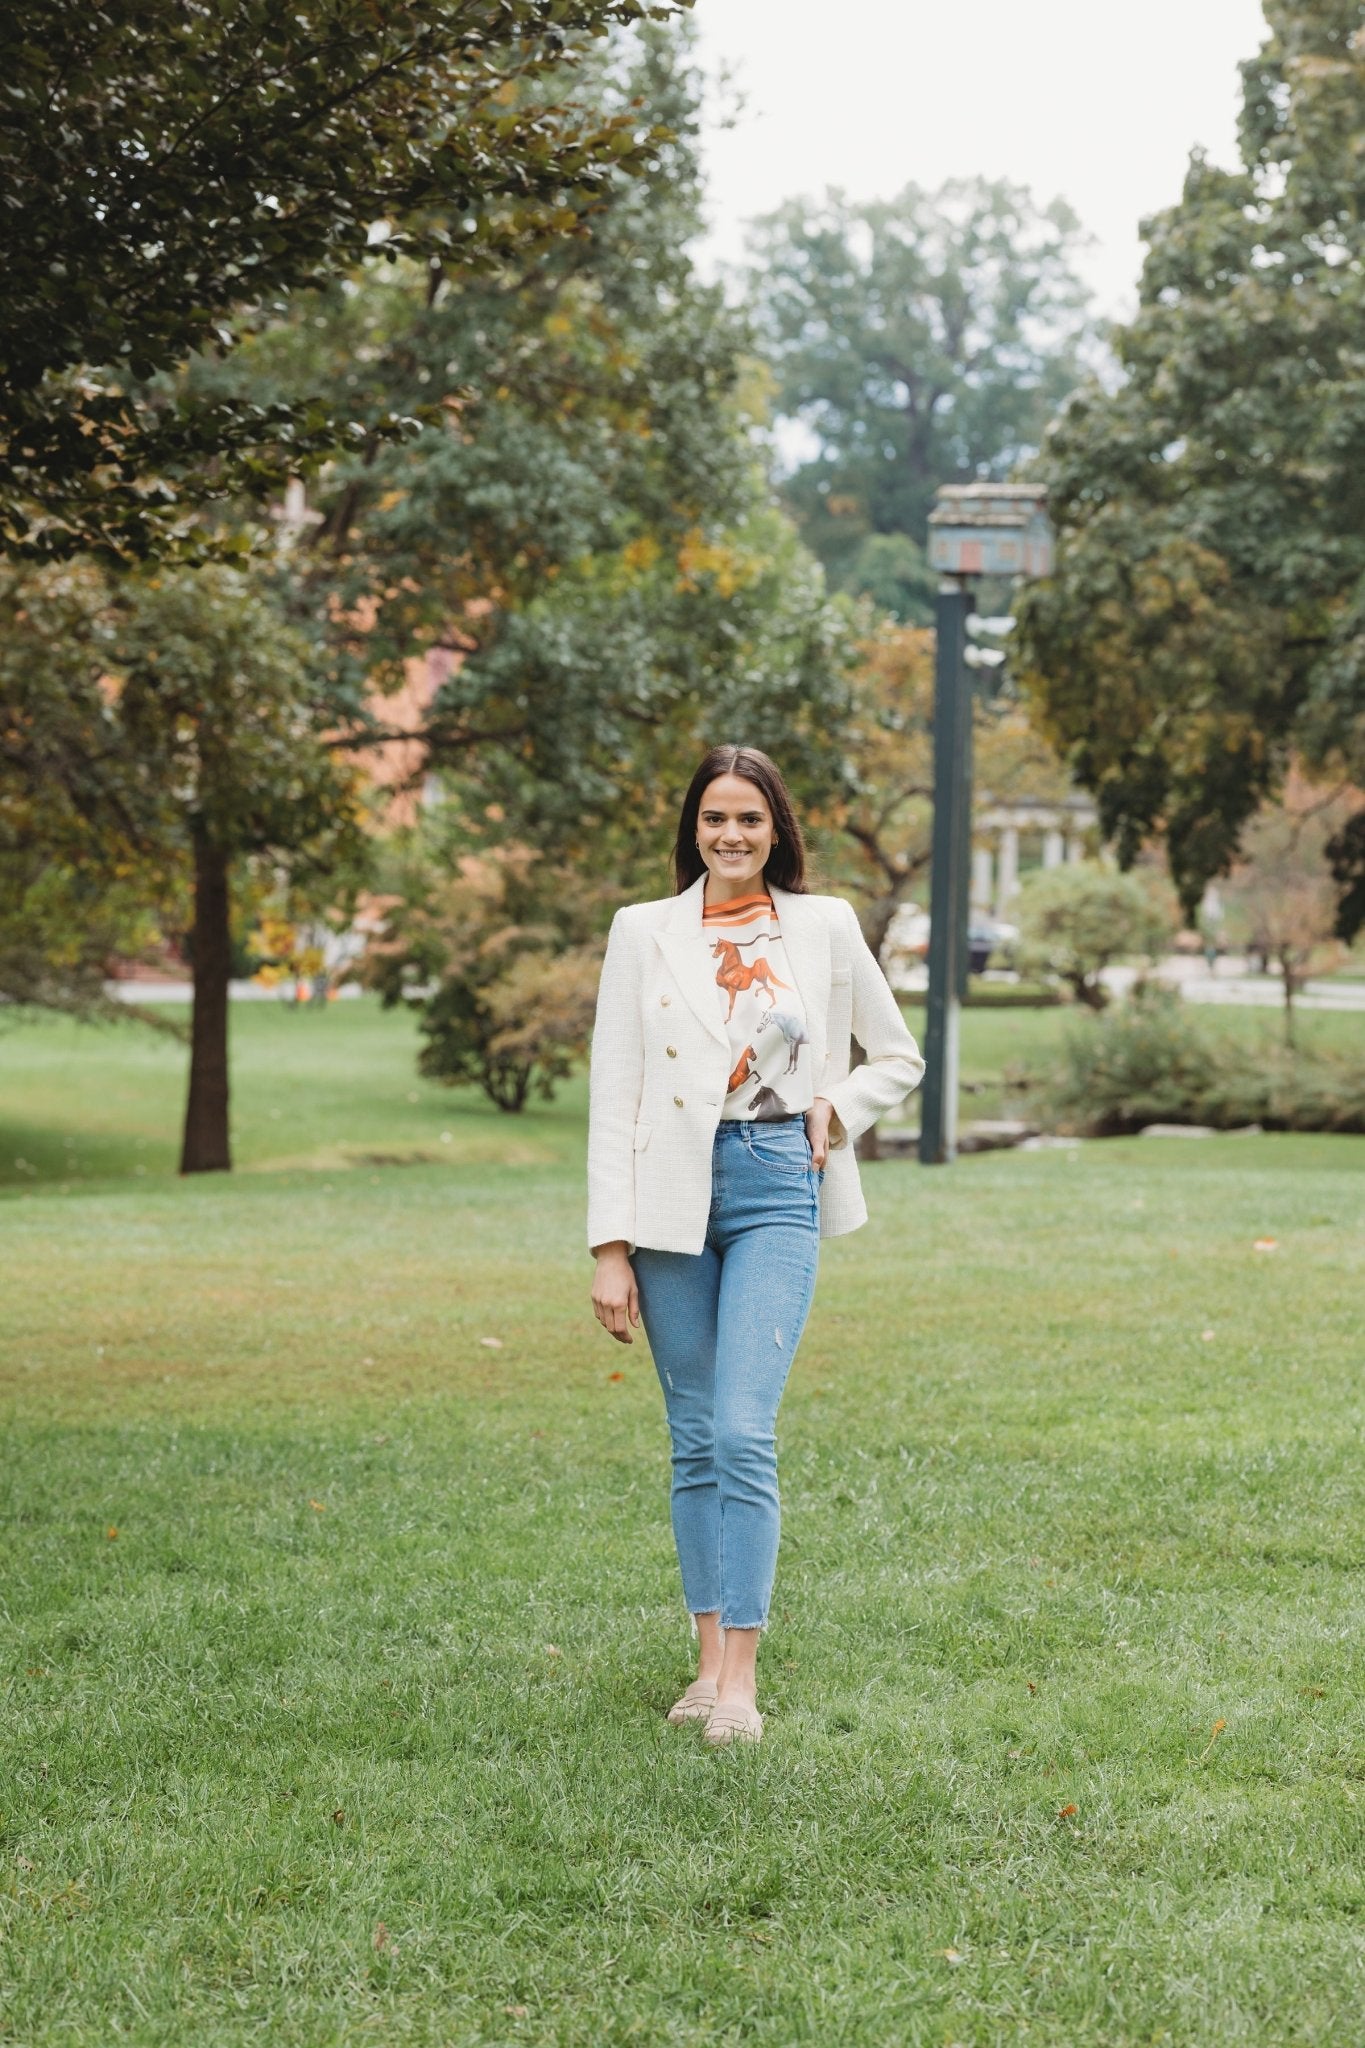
{"points": [[875, 844], [1205, 621], [581, 531], [923, 340], [1074, 921], [219, 705], [76, 815], [178, 169], [512, 953], [1280, 900]]}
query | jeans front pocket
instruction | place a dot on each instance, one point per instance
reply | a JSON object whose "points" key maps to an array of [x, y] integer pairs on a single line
{"points": [[783, 1148]]}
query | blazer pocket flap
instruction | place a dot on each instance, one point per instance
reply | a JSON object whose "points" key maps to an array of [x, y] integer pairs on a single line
{"points": [[642, 1132]]}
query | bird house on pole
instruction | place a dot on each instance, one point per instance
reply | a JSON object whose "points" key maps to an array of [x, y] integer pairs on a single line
{"points": [[990, 530]]}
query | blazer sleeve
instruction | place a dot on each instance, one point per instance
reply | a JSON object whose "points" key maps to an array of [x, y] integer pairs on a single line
{"points": [[893, 1065], [615, 1082]]}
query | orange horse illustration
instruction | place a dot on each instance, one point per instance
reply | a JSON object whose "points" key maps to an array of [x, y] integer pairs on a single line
{"points": [[734, 975], [743, 1072]]}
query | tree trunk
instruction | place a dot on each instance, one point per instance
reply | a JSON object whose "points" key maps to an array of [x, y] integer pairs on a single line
{"points": [[1287, 970], [207, 1147]]}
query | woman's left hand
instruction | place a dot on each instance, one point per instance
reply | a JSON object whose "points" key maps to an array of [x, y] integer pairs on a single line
{"points": [[818, 1118]]}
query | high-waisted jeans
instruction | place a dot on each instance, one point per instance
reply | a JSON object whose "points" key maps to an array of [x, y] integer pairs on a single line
{"points": [[723, 1325]]}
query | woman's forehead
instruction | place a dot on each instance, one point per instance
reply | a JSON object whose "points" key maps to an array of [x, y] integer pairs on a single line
{"points": [[733, 793]]}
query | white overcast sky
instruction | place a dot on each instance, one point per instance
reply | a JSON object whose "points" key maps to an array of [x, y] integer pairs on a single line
{"points": [[1095, 102]]}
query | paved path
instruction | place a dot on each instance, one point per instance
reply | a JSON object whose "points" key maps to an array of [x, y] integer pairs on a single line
{"points": [[1231, 983]]}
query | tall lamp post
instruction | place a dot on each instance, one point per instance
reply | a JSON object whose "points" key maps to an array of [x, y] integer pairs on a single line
{"points": [[974, 530]]}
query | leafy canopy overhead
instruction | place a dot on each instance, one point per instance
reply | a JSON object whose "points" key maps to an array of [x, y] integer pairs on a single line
{"points": [[1207, 616], [922, 340], [177, 168], [580, 532]]}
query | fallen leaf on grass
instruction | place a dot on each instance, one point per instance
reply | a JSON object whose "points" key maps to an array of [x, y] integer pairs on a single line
{"points": [[1065, 1812], [111, 1534], [319, 1507], [615, 1375], [1030, 1684], [1218, 1728], [1206, 1336], [23, 1863], [339, 1816], [952, 1955], [491, 1343], [1266, 1244], [553, 1650], [1314, 1692], [381, 1939], [516, 2012]]}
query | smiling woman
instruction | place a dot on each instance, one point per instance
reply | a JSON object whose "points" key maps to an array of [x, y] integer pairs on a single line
{"points": [[722, 1110]]}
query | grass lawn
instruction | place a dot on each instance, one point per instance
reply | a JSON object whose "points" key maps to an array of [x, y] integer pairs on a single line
{"points": [[339, 1608]]}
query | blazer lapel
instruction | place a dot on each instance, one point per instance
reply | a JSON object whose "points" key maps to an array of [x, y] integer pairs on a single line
{"points": [[683, 946], [806, 938]]}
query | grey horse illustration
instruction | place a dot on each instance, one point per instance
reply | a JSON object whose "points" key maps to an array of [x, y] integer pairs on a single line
{"points": [[792, 1029]]}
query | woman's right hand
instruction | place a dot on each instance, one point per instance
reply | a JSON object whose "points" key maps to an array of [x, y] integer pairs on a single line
{"points": [[615, 1297]]}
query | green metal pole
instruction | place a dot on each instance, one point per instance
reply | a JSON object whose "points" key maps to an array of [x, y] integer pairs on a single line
{"points": [[949, 887]]}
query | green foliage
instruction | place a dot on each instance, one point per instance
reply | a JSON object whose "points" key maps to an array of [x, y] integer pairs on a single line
{"points": [[922, 340], [1150, 1060], [511, 953], [1075, 920], [178, 170], [581, 524], [220, 706], [75, 879], [1206, 619]]}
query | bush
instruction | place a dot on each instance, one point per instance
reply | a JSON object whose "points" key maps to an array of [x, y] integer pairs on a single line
{"points": [[1073, 921], [1150, 1061]]}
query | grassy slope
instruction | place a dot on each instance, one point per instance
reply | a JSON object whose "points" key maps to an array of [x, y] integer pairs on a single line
{"points": [[1042, 1534]]}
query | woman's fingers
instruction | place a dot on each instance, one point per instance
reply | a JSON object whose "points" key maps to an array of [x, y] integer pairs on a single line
{"points": [[635, 1306], [614, 1315]]}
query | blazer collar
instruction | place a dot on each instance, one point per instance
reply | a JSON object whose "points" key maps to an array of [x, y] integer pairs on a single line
{"points": [[680, 941], [805, 934]]}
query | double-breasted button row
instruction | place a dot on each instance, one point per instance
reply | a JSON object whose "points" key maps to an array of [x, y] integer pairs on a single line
{"points": [[665, 1000], [672, 1051], [678, 1099]]}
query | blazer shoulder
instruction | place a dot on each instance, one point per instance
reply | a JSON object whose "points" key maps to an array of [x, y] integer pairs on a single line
{"points": [[831, 908], [634, 917]]}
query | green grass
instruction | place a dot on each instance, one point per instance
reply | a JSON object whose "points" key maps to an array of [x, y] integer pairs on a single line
{"points": [[353, 1730]]}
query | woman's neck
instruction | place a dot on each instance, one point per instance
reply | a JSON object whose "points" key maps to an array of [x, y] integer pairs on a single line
{"points": [[719, 891]]}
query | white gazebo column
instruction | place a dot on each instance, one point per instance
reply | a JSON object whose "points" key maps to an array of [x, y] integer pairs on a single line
{"points": [[983, 877], [1054, 848], [1007, 875]]}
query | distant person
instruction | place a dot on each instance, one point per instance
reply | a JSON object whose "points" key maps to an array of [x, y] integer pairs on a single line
{"points": [[720, 1150]]}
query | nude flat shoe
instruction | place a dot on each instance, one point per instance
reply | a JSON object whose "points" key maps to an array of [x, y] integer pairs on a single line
{"points": [[733, 1723], [695, 1704]]}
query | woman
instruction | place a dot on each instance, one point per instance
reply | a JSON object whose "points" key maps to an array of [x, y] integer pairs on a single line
{"points": [[720, 1150]]}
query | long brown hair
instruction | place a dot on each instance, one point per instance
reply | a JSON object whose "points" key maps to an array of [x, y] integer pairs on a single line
{"points": [[785, 867]]}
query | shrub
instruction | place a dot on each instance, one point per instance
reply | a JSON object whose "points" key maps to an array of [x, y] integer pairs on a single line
{"points": [[1073, 921], [1150, 1060]]}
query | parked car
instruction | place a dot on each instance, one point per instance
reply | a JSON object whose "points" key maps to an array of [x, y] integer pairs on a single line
{"points": [[990, 939]]}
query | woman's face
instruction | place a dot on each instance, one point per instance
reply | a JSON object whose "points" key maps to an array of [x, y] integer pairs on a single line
{"points": [[734, 833]]}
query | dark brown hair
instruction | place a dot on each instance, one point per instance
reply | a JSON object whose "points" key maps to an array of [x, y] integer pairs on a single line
{"points": [[786, 864]]}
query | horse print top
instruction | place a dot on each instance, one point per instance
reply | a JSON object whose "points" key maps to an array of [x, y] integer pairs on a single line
{"points": [[770, 1055]]}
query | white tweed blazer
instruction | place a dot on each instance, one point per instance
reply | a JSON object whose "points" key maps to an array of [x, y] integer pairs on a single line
{"points": [[661, 1062]]}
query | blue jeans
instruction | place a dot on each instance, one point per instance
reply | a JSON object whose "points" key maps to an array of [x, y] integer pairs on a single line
{"points": [[723, 1325]]}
